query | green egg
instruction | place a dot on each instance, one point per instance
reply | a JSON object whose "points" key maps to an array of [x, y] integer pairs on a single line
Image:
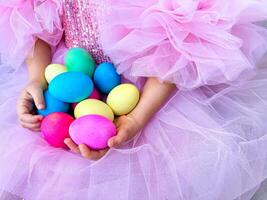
{"points": [[79, 60]]}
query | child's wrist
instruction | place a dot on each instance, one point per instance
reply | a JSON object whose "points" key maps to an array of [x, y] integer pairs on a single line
{"points": [[40, 81], [140, 119]]}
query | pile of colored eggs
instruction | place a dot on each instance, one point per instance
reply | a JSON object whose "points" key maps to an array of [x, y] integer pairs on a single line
{"points": [[74, 107]]}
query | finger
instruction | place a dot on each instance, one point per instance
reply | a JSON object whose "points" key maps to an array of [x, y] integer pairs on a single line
{"points": [[30, 125], [24, 105], [25, 115], [36, 130], [34, 127], [28, 118], [118, 140], [24, 109], [102, 152], [91, 154], [38, 98], [96, 155], [85, 151], [72, 146], [117, 122]]}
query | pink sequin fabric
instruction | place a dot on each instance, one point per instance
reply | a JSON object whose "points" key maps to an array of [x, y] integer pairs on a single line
{"points": [[81, 24]]}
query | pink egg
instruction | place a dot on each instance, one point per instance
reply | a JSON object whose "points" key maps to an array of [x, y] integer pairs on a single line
{"points": [[92, 130], [55, 128], [95, 95]]}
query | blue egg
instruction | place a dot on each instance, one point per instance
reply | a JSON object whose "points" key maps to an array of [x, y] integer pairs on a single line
{"points": [[106, 77], [53, 105], [71, 87]]}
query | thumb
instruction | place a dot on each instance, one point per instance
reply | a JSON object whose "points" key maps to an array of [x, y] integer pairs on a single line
{"points": [[117, 140], [38, 98]]}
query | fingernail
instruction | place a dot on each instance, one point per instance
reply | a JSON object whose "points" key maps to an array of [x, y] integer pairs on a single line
{"points": [[110, 143], [40, 106]]}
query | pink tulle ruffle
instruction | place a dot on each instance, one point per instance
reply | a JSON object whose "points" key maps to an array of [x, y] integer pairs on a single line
{"points": [[22, 22], [190, 43]]}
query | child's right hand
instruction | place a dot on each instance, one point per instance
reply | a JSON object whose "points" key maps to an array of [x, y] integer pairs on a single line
{"points": [[30, 96]]}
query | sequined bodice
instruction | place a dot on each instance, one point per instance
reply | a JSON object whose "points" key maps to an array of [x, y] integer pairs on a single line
{"points": [[81, 23]]}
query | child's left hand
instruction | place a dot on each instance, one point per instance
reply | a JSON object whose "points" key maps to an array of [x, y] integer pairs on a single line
{"points": [[127, 128]]}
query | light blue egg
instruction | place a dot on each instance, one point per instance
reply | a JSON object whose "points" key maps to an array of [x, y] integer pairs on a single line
{"points": [[106, 77], [53, 105], [71, 87]]}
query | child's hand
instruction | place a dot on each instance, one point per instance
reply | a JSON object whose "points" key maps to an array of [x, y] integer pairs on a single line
{"points": [[84, 150], [32, 94], [127, 128]]}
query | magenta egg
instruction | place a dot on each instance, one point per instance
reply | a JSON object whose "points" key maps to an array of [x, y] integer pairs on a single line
{"points": [[55, 128], [95, 95], [93, 131]]}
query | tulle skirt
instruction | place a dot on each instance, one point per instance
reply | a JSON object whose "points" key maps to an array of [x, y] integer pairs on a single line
{"points": [[206, 144]]}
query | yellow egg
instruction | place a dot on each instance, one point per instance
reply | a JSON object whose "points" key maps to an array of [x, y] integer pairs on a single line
{"points": [[93, 106], [123, 98], [53, 70]]}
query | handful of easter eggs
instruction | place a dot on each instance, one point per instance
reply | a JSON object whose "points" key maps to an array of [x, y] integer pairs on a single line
{"points": [[74, 107]]}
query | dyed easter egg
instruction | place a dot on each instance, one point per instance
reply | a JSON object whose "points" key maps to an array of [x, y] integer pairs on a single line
{"points": [[53, 105], [93, 106], [71, 87], [79, 60], [95, 95], [93, 131], [53, 70], [55, 128], [106, 77], [123, 98]]}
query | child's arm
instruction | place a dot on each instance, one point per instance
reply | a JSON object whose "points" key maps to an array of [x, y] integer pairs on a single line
{"points": [[33, 92], [38, 61], [154, 96]]}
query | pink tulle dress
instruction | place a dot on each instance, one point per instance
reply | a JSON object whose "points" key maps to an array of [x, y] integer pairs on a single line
{"points": [[209, 141]]}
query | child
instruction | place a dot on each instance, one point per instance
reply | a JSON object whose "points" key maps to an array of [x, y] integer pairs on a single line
{"points": [[199, 130]]}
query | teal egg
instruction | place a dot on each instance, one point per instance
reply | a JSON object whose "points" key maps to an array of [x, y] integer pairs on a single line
{"points": [[53, 105], [79, 60], [71, 87]]}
